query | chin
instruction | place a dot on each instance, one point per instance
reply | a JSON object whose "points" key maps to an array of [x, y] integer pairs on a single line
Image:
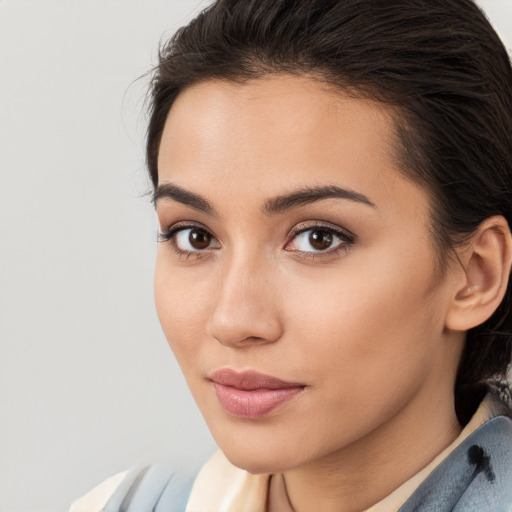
{"points": [[261, 456], [256, 463], [273, 444]]}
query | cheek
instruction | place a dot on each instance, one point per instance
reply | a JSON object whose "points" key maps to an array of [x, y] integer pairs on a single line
{"points": [[181, 300], [364, 317]]}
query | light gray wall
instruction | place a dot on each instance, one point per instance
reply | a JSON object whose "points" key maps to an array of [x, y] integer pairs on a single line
{"points": [[88, 385]]}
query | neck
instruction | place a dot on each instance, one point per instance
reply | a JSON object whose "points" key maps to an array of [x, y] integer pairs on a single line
{"points": [[365, 472]]}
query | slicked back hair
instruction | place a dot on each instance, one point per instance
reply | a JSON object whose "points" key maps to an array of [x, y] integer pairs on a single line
{"points": [[438, 64]]}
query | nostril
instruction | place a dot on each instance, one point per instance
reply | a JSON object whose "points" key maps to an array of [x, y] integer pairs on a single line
{"points": [[243, 330]]}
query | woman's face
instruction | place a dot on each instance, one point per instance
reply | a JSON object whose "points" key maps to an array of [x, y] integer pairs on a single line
{"points": [[292, 247]]}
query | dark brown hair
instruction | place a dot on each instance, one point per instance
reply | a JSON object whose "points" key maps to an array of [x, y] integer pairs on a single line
{"points": [[438, 63]]}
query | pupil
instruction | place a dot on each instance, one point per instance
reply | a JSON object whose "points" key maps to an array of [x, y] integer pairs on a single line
{"points": [[199, 239], [320, 239]]}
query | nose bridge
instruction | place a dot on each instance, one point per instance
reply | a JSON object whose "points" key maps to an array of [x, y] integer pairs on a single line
{"points": [[245, 307]]}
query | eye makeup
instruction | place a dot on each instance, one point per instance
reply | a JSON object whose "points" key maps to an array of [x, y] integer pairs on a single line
{"points": [[325, 240]]}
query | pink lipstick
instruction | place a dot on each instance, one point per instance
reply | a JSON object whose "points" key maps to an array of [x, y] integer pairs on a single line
{"points": [[250, 394]]}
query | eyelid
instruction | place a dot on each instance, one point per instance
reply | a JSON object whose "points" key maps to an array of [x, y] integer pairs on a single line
{"points": [[164, 235], [327, 226]]}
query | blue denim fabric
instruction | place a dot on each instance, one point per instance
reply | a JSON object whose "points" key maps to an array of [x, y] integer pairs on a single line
{"points": [[161, 487], [476, 476]]}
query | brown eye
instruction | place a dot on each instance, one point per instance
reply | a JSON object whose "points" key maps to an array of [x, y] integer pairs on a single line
{"points": [[320, 240], [199, 239], [194, 239]]}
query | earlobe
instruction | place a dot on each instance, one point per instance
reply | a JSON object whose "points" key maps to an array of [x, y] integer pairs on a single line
{"points": [[486, 262]]}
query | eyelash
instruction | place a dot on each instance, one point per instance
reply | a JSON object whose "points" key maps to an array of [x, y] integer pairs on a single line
{"points": [[169, 236], [347, 240]]}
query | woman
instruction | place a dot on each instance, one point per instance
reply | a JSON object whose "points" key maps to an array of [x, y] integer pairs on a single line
{"points": [[333, 185]]}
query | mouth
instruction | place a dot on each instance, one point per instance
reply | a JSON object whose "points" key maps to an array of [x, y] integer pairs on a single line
{"points": [[250, 394]]}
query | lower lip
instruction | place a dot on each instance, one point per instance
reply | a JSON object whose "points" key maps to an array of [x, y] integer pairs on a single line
{"points": [[253, 404]]}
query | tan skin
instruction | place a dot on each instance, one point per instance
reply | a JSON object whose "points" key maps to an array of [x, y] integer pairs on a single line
{"points": [[344, 296]]}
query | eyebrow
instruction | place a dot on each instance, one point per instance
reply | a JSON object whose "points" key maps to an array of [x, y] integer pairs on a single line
{"points": [[309, 195], [185, 197], [273, 206]]}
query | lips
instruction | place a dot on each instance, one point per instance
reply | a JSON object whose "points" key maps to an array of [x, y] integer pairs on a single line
{"points": [[250, 394]]}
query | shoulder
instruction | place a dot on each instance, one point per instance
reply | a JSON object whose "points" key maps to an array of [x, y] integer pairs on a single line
{"points": [[96, 499], [489, 455], [159, 486], [476, 476]]}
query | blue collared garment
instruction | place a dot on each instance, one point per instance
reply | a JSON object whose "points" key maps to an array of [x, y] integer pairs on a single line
{"points": [[157, 488], [475, 477]]}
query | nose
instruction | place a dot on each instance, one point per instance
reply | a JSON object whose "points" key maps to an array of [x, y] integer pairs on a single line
{"points": [[245, 311]]}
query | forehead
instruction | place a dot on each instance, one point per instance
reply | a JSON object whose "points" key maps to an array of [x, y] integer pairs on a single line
{"points": [[282, 112], [280, 132]]}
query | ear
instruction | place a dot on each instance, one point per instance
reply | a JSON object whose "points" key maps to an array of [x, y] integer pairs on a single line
{"points": [[482, 283]]}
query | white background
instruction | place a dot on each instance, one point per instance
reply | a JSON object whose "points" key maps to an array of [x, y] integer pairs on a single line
{"points": [[88, 385]]}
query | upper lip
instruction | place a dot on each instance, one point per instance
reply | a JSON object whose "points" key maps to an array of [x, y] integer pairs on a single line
{"points": [[250, 380]]}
